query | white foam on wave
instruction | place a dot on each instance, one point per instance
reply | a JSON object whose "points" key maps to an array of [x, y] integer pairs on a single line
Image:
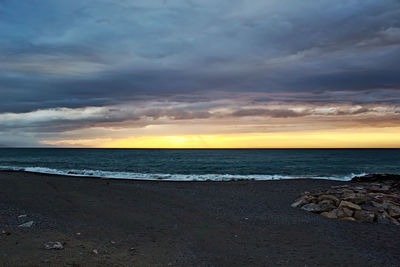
{"points": [[171, 177]]}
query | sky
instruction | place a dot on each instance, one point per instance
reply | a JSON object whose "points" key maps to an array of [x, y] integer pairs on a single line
{"points": [[200, 73]]}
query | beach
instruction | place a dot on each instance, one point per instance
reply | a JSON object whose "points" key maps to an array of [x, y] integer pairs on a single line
{"points": [[156, 223]]}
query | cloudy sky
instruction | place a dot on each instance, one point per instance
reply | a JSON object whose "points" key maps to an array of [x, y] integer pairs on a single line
{"points": [[200, 73]]}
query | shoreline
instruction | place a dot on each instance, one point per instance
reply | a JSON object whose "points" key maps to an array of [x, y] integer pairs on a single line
{"points": [[141, 223], [243, 177]]}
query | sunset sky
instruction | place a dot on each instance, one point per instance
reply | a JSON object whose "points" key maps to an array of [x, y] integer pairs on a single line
{"points": [[200, 73]]}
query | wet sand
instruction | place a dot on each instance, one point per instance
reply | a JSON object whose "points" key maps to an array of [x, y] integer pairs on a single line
{"points": [[146, 223]]}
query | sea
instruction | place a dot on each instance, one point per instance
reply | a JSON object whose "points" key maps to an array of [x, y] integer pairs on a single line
{"points": [[203, 164]]}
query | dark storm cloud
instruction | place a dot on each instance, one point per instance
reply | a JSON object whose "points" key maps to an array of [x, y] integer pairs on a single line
{"points": [[79, 54]]}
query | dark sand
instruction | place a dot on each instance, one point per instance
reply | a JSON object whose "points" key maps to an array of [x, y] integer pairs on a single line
{"points": [[142, 223]]}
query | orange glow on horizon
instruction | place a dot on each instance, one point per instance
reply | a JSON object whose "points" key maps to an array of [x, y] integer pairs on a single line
{"points": [[350, 138]]}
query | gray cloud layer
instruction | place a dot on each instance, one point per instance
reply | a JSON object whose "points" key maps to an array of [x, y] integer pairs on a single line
{"points": [[77, 54]]}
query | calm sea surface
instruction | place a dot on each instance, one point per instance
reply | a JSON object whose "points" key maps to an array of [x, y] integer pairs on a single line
{"points": [[204, 164]]}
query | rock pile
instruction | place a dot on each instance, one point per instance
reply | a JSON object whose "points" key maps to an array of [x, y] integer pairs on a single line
{"points": [[378, 200]]}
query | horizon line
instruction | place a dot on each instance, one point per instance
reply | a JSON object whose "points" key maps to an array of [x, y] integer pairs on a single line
{"points": [[196, 148]]}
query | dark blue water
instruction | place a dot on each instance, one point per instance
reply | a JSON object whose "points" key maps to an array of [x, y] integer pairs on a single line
{"points": [[196, 164]]}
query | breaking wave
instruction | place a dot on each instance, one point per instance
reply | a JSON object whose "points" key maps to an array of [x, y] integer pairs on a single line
{"points": [[171, 177]]}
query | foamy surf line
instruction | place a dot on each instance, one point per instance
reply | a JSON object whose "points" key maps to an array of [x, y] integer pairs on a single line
{"points": [[170, 177]]}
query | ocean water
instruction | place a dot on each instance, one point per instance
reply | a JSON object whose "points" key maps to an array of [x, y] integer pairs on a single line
{"points": [[204, 164]]}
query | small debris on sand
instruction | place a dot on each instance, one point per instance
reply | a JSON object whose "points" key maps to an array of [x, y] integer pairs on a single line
{"points": [[54, 245], [5, 232]]}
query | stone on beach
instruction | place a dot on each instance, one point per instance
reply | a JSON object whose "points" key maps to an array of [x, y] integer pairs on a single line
{"points": [[348, 219], [54, 245], [394, 211], [331, 214], [26, 225], [349, 205], [329, 197], [344, 212], [298, 203], [312, 207], [384, 217], [326, 205], [365, 216]]}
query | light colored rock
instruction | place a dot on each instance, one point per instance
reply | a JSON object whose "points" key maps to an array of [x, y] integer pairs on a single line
{"points": [[349, 205], [26, 225], [331, 214], [364, 216], [298, 203], [22, 216], [329, 197], [95, 251], [348, 219], [54, 245]]}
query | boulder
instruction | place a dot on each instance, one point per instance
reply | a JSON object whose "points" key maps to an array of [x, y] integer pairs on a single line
{"points": [[349, 205], [378, 205], [364, 216], [344, 212], [312, 207], [348, 195], [348, 219], [331, 214], [326, 205], [357, 198], [394, 211], [384, 217], [332, 198], [380, 188], [339, 186], [299, 202], [377, 200], [392, 180], [373, 209]]}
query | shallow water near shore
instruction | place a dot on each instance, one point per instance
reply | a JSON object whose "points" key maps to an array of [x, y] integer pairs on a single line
{"points": [[204, 164]]}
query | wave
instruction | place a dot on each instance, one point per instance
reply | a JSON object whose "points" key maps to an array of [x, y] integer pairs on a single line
{"points": [[171, 177]]}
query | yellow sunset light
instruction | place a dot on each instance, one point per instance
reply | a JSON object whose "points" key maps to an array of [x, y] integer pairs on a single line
{"points": [[356, 138]]}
